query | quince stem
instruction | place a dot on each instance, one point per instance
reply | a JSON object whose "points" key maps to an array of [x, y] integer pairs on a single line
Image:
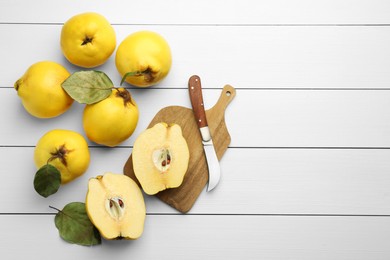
{"points": [[147, 73], [55, 208], [62, 212], [129, 74]]}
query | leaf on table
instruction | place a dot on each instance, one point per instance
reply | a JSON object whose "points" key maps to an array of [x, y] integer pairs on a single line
{"points": [[88, 87], [47, 180], [75, 227]]}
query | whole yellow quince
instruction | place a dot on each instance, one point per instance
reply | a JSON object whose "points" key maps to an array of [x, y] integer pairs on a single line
{"points": [[66, 150], [87, 40], [41, 92], [144, 57], [112, 120]]}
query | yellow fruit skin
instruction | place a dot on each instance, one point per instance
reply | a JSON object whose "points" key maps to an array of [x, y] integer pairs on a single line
{"points": [[110, 122], [144, 51], [41, 92], [75, 36], [77, 157]]}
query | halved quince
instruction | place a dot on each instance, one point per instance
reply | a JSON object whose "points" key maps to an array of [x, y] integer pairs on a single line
{"points": [[116, 207], [160, 158]]}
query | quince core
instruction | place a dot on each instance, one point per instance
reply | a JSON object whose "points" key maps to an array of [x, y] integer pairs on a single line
{"points": [[116, 207], [160, 158]]}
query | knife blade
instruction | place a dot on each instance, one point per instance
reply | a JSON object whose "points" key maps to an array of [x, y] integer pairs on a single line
{"points": [[196, 97]]}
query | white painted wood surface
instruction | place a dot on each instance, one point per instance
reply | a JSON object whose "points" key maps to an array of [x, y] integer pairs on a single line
{"points": [[307, 174]]}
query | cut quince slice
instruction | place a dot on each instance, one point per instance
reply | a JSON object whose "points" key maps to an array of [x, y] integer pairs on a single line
{"points": [[116, 207], [160, 158]]}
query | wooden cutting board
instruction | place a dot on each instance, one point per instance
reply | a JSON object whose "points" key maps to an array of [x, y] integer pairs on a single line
{"points": [[196, 177]]}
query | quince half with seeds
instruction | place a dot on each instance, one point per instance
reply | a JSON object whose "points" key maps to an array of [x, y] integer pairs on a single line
{"points": [[160, 158], [116, 207]]}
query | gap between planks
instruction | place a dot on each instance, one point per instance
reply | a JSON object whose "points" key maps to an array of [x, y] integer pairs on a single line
{"points": [[222, 24], [237, 147], [220, 214]]}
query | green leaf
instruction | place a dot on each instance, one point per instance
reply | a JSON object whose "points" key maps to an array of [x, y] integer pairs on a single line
{"points": [[88, 87], [74, 225], [47, 180]]}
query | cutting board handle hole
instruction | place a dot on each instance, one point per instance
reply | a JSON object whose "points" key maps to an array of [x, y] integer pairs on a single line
{"points": [[228, 93]]}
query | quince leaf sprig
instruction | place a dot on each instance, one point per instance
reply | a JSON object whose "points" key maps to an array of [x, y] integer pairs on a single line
{"points": [[88, 87], [74, 225]]}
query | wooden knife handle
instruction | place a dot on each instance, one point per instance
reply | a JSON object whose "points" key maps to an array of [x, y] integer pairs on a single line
{"points": [[195, 90]]}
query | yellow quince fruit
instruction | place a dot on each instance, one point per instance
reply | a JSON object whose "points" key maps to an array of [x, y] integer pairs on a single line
{"points": [[160, 157], [116, 206], [66, 150], [143, 58], [112, 120], [87, 40], [41, 92]]}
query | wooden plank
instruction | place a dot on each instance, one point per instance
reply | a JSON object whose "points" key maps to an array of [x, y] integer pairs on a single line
{"points": [[244, 56], [202, 11], [254, 181], [270, 118], [211, 237]]}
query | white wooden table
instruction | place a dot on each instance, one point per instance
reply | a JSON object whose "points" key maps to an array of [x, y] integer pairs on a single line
{"points": [[307, 174]]}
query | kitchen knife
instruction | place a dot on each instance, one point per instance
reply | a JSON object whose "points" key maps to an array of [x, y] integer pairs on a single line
{"points": [[195, 90]]}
